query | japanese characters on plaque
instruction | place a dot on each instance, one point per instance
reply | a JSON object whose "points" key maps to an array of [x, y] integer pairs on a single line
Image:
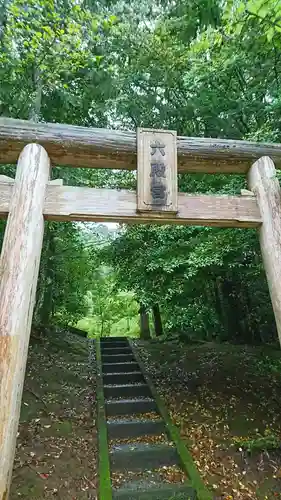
{"points": [[157, 171]]}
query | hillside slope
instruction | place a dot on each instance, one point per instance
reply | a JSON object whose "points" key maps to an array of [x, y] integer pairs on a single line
{"points": [[56, 447]]}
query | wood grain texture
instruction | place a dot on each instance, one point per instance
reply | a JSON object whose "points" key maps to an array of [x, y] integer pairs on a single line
{"points": [[100, 148], [19, 266], [157, 170], [264, 183], [65, 203]]}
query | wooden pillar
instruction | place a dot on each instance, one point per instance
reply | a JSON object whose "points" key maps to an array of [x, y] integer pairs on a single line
{"points": [[265, 185], [19, 266]]}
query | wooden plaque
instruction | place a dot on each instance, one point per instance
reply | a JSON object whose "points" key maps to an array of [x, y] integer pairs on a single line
{"points": [[157, 171]]}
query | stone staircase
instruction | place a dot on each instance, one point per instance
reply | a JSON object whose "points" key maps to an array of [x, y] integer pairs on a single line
{"points": [[140, 449]]}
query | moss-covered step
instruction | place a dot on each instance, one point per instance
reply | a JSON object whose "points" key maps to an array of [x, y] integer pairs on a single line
{"points": [[129, 406], [114, 343], [117, 358], [111, 340], [115, 350], [122, 429], [140, 490], [130, 366], [122, 378], [126, 391], [142, 456]]}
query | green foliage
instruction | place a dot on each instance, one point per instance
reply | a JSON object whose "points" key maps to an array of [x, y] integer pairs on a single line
{"points": [[168, 265], [109, 312], [264, 13], [261, 443], [51, 69], [44, 73], [268, 364], [65, 275]]}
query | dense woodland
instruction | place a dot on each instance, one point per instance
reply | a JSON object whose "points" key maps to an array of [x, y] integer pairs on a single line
{"points": [[208, 68]]}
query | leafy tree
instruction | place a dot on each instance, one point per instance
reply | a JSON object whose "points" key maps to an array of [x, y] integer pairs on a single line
{"points": [[46, 76], [109, 311]]}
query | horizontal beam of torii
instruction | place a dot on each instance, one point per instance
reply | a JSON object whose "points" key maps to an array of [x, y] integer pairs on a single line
{"points": [[76, 146], [67, 203]]}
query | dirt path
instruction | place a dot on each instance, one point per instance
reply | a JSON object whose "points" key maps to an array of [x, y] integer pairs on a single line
{"points": [[56, 448], [225, 399]]}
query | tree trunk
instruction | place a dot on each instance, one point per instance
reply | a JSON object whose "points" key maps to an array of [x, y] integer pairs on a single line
{"points": [[232, 311], [144, 324], [221, 307], [157, 320], [35, 111], [47, 302]]}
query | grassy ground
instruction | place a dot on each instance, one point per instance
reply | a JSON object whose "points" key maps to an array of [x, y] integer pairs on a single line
{"points": [[226, 401], [56, 447]]}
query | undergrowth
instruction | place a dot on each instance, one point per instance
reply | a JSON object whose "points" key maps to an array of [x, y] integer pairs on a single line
{"points": [[260, 443]]}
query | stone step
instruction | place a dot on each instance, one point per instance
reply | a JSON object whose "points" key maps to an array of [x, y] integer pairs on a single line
{"points": [[129, 406], [113, 339], [141, 490], [142, 456], [126, 391], [115, 343], [117, 358], [122, 429], [115, 350], [131, 366], [122, 378]]}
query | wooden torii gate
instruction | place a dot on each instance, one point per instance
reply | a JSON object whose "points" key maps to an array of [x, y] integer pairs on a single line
{"points": [[31, 198]]}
